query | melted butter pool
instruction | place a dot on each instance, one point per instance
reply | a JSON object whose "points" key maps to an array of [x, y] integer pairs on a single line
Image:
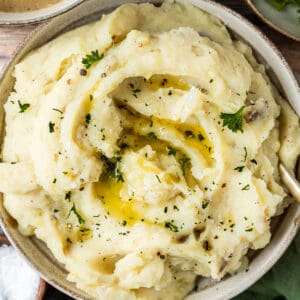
{"points": [[126, 212]]}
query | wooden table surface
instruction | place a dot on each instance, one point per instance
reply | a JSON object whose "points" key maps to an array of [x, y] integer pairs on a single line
{"points": [[10, 37]]}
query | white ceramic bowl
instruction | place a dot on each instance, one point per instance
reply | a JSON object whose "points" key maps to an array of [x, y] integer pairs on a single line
{"points": [[284, 228], [34, 16]]}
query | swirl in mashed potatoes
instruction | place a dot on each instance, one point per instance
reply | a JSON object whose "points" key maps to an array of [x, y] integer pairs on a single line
{"points": [[143, 150]]}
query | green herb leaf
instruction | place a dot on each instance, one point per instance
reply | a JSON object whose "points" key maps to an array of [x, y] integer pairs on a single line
{"points": [[51, 127], [254, 161], [112, 167], [158, 179], [91, 58], [151, 135], [183, 162], [171, 226], [245, 155], [204, 204], [87, 118], [171, 151], [233, 121], [246, 187], [23, 107], [239, 169], [58, 110], [68, 196], [74, 210], [201, 137]]}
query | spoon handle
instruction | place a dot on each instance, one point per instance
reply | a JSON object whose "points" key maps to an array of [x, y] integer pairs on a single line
{"points": [[290, 181]]}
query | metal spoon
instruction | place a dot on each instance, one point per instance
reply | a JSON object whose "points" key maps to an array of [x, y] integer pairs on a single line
{"points": [[290, 181]]}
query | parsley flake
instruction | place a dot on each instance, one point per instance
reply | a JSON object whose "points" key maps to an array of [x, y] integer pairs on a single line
{"points": [[233, 121], [51, 127], [74, 210], [23, 107], [171, 226], [246, 187], [254, 161], [183, 162], [245, 155], [91, 58], [151, 135], [68, 196], [239, 169], [87, 118], [201, 137], [158, 179], [171, 151]]}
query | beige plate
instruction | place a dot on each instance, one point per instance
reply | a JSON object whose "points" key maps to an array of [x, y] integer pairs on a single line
{"points": [[286, 21], [37, 15], [284, 229]]}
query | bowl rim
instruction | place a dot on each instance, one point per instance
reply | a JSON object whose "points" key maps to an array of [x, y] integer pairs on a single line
{"points": [[35, 16], [291, 227]]}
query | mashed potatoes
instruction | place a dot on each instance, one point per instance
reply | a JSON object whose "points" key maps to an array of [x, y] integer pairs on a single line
{"points": [[143, 150]]}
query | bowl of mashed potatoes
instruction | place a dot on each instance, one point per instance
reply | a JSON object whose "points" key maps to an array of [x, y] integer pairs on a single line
{"points": [[140, 151]]}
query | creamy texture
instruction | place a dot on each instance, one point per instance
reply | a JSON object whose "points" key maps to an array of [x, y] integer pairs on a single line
{"points": [[27, 5], [125, 169]]}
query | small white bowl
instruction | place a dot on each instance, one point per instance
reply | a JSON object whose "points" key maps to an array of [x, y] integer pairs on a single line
{"points": [[42, 286], [26, 17]]}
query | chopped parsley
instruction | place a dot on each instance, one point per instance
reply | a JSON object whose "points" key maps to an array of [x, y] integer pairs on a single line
{"points": [[171, 151], [204, 204], [211, 80], [68, 196], [239, 169], [112, 167], [249, 229], [91, 58], [175, 207], [233, 121], [151, 135], [253, 161], [124, 222], [74, 210], [55, 210], [91, 97], [246, 187], [171, 226], [58, 110], [51, 127], [87, 118], [201, 137], [23, 107], [158, 179], [245, 155], [170, 93], [183, 162]]}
